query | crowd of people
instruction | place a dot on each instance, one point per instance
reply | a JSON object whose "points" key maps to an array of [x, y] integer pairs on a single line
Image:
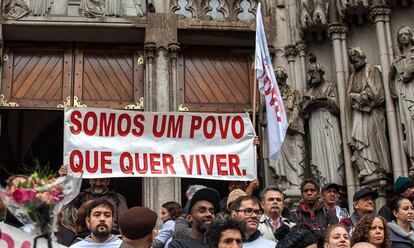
{"points": [[99, 217]]}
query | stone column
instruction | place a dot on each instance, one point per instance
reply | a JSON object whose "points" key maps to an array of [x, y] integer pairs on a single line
{"points": [[345, 55], [379, 14], [160, 34], [336, 31], [173, 50], [149, 88], [290, 54], [301, 48]]}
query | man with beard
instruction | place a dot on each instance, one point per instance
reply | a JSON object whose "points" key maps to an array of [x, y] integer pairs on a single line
{"points": [[364, 203], [312, 212], [248, 209], [367, 135], [99, 221], [201, 211], [403, 186], [99, 189], [272, 203]]}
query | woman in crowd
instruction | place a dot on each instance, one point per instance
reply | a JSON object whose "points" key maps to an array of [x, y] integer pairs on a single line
{"points": [[337, 236], [372, 229], [66, 233], [401, 228], [170, 211]]}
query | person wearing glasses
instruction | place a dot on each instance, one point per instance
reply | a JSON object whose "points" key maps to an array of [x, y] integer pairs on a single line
{"points": [[248, 209], [312, 212]]}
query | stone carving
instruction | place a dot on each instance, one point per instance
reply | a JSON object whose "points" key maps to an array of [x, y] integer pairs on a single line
{"points": [[40, 7], [320, 107], [216, 9], [15, 9], [186, 8], [289, 168], [92, 8], [367, 138], [313, 18], [115, 8], [402, 88], [245, 10]]}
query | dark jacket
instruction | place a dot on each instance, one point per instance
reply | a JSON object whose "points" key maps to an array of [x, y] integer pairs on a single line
{"points": [[399, 237], [318, 220], [386, 212]]}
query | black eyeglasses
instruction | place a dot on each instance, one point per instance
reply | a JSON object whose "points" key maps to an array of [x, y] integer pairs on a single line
{"points": [[250, 211]]}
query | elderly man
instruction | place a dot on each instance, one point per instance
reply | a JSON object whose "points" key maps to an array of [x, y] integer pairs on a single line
{"points": [[99, 221], [248, 209], [364, 203], [137, 226], [272, 203], [330, 198], [201, 209]]}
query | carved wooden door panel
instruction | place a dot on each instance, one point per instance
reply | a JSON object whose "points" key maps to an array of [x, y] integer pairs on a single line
{"points": [[215, 80], [108, 77], [36, 76]]}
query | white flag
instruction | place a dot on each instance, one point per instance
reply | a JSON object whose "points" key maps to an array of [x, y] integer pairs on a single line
{"points": [[275, 111]]}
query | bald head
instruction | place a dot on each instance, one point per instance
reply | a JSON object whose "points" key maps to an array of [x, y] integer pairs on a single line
{"points": [[363, 245]]}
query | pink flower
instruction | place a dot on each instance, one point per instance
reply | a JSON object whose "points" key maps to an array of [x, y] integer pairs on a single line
{"points": [[20, 196], [31, 195], [57, 194]]}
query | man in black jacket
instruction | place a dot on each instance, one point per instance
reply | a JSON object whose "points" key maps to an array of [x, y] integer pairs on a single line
{"points": [[312, 212]]}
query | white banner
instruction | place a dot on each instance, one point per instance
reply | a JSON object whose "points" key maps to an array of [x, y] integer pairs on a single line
{"points": [[114, 143], [11, 237]]}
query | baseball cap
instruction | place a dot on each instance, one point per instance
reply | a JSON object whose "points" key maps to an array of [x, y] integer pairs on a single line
{"points": [[330, 186], [137, 222], [207, 194], [366, 191]]}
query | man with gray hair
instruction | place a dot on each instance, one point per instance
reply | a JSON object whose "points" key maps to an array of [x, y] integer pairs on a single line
{"points": [[271, 221]]}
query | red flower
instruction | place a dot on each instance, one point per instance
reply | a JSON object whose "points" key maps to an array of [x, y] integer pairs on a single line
{"points": [[20, 196]]}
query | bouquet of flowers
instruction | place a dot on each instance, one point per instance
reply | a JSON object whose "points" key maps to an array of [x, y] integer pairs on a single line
{"points": [[37, 198]]}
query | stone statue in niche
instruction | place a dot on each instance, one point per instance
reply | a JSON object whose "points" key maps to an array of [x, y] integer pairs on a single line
{"points": [[289, 168], [15, 9], [320, 108], [92, 8], [402, 88], [40, 7], [114, 8], [367, 134]]}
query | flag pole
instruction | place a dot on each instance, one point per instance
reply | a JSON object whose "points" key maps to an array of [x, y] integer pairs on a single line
{"points": [[254, 98]]}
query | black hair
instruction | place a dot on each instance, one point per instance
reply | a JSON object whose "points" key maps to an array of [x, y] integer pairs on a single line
{"points": [[173, 208], [311, 181], [221, 224], [97, 203], [298, 237]]}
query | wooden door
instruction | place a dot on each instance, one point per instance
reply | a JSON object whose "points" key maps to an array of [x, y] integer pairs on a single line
{"points": [[37, 76], [215, 80], [108, 77]]}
